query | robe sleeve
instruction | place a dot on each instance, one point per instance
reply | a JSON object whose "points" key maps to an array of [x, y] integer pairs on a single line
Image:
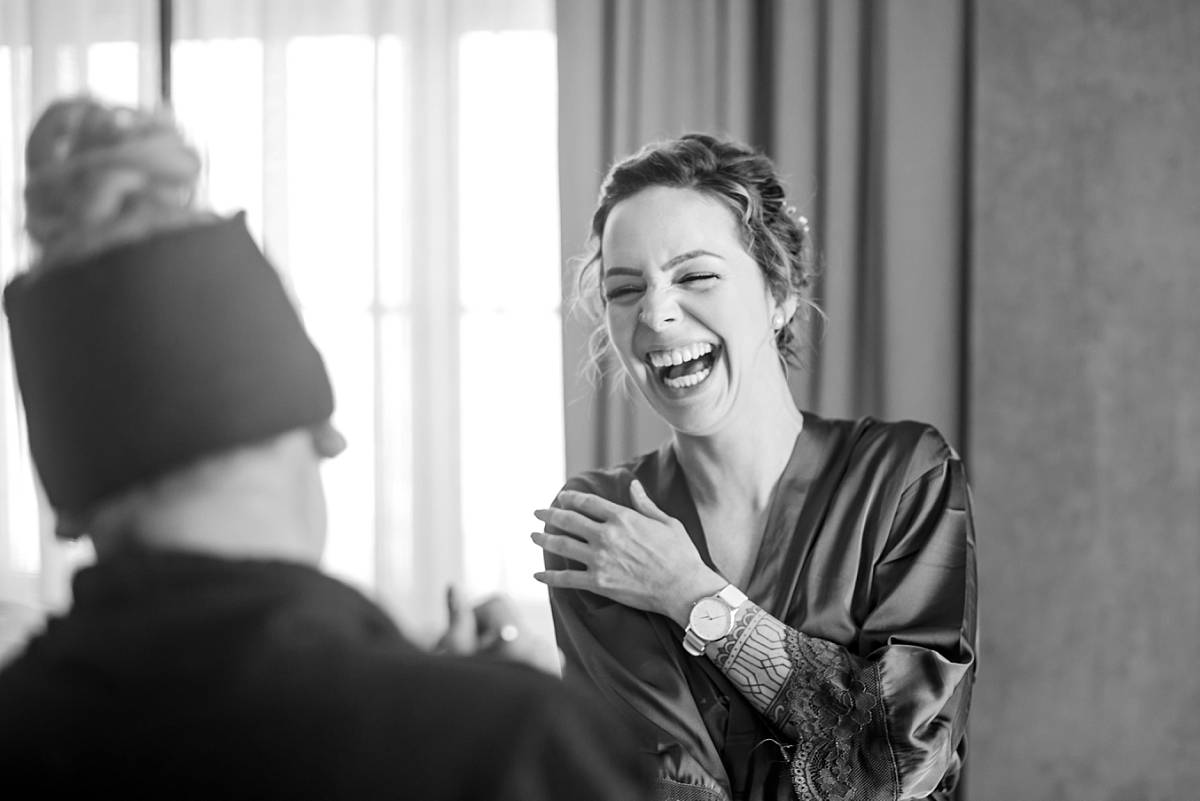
{"points": [[890, 725], [614, 652]]}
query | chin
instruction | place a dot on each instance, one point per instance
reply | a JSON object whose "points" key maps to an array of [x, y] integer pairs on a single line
{"points": [[696, 420], [697, 416]]}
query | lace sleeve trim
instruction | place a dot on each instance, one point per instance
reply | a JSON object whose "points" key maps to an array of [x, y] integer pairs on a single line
{"points": [[842, 750]]}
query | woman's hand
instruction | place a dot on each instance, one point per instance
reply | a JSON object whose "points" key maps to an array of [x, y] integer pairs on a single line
{"points": [[640, 557]]}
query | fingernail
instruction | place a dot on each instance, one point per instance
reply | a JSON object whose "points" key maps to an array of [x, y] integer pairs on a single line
{"points": [[539, 513], [540, 576], [534, 535]]}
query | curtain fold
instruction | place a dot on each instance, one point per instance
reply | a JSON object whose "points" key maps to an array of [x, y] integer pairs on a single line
{"points": [[860, 104]]}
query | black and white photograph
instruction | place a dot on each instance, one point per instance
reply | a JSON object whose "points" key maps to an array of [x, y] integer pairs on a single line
{"points": [[600, 400]]}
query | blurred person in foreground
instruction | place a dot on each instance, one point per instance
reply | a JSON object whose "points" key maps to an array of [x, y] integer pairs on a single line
{"points": [[177, 414]]}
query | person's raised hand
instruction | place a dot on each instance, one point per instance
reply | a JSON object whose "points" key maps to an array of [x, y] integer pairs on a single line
{"points": [[640, 556], [493, 628]]}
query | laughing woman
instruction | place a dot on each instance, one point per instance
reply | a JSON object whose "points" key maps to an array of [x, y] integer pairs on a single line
{"points": [[782, 605]]}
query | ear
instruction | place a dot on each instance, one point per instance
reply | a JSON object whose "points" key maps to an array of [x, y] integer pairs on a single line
{"points": [[786, 308], [327, 440]]}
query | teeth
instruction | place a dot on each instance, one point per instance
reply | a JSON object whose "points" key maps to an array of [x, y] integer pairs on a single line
{"points": [[683, 382], [666, 358]]}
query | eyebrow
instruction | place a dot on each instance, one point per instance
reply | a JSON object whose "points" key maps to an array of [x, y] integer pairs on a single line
{"points": [[674, 261]]}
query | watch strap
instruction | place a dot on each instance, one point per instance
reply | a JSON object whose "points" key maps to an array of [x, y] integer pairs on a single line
{"points": [[732, 596], [693, 643]]}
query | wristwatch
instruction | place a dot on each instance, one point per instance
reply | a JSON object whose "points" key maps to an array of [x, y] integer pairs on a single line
{"points": [[711, 619]]}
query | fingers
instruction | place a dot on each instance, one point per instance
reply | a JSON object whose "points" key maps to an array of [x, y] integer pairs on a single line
{"points": [[496, 611], [566, 579], [457, 612], [453, 604], [603, 510], [569, 521], [460, 636], [643, 504], [595, 507], [563, 546], [497, 623]]}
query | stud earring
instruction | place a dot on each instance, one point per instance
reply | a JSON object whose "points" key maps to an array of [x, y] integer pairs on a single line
{"points": [[777, 321]]}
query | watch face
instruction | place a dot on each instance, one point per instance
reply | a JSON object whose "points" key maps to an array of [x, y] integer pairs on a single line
{"points": [[710, 619]]}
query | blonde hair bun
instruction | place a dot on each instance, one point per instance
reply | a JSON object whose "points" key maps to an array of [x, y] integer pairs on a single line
{"points": [[100, 175]]}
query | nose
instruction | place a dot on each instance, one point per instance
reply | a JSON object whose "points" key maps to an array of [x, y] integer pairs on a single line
{"points": [[658, 310]]}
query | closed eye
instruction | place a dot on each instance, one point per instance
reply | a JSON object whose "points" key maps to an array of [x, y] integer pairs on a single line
{"points": [[621, 291], [696, 278]]}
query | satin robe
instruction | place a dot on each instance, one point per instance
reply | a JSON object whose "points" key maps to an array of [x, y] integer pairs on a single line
{"points": [[869, 553]]}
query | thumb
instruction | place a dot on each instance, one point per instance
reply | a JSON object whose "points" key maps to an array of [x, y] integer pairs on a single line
{"points": [[643, 504], [460, 628], [453, 603]]}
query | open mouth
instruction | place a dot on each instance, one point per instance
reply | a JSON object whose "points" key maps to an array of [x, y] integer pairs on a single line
{"points": [[685, 367]]}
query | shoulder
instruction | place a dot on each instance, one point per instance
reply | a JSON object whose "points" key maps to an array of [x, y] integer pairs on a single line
{"points": [[926, 476], [905, 449], [612, 483]]}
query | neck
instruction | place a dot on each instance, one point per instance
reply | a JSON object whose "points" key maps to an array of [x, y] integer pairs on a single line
{"points": [[263, 502], [231, 528], [741, 463]]}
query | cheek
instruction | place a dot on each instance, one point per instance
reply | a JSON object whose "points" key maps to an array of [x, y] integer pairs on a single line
{"points": [[750, 316], [619, 323]]}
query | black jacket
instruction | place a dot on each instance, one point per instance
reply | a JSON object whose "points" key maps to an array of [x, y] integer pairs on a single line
{"points": [[181, 676]]}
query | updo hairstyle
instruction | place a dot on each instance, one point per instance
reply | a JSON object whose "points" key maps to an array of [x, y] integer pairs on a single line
{"points": [[99, 175], [741, 179]]}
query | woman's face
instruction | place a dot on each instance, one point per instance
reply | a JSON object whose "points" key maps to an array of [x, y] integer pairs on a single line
{"points": [[688, 309]]}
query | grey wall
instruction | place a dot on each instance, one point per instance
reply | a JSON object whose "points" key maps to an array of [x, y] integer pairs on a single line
{"points": [[1085, 448]]}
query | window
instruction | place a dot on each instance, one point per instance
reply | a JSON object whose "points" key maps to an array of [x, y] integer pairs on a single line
{"points": [[400, 167]]}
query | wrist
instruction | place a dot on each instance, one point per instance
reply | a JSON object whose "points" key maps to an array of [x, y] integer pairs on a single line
{"points": [[703, 582]]}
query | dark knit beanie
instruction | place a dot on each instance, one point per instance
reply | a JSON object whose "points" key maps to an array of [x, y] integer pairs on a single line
{"points": [[146, 356]]}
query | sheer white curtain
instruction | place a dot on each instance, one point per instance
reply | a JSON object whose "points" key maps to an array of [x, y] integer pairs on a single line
{"points": [[398, 161]]}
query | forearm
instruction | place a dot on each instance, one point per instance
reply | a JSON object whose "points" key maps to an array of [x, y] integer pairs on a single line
{"points": [[824, 702], [754, 657], [827, 703]]}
